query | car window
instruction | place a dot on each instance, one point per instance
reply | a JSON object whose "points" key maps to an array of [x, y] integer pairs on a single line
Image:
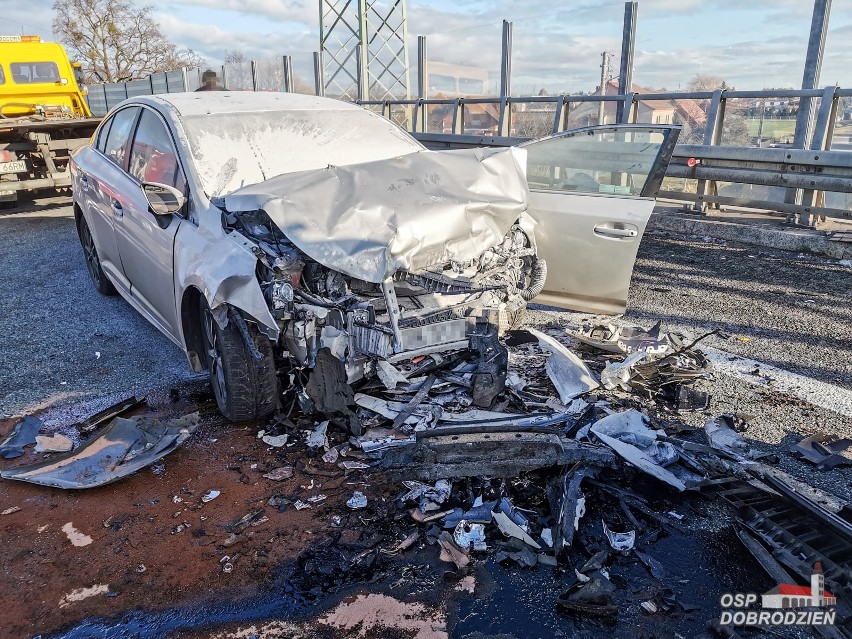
{"points": [[103, 132], [2, 76], [609, 161], [34, 72], [119, 132], [153, 157]]}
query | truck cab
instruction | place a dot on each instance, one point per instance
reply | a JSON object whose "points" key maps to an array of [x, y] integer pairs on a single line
{"points": [[37, 78]]}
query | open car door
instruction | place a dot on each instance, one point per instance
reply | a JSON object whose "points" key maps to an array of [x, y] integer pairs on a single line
{"points": [[592, 192]]}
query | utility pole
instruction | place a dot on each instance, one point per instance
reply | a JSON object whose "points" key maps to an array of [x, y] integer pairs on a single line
{"points": [[604, 79]]}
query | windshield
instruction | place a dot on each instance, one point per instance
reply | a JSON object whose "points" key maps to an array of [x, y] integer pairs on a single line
{"points": [[230, 150]]}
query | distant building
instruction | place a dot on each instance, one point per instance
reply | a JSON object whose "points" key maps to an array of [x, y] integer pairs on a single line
{"points": [[792, 596], [650, 111]]}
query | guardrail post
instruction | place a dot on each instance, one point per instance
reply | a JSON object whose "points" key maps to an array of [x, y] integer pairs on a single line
{"points": [[628, 108], [504, 124], [821, 141], [458, 116], [421, 116], [560, 118], [151, 83], [287, 61], [628, 43], [254, 75], [712, 137], [319, 82], [184, 79]]}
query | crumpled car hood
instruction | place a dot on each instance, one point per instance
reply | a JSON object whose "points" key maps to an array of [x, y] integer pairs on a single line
{"points": [[409, 213]]}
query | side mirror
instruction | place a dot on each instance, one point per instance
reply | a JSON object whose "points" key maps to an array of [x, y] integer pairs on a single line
{"points": [[162, 198]]}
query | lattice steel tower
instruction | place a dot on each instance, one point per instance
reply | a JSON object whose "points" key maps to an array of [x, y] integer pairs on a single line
{"points": [[363, 49]]}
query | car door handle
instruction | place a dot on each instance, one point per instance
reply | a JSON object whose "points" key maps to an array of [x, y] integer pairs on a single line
{"points": [[610, 231], [116, 208]]}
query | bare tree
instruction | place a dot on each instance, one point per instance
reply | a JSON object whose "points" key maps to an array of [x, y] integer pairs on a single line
{"points": [[115, 41], [237, 71], [706, 83]]}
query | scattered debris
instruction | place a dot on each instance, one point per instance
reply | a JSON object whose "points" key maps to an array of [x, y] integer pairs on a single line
{"points": [[569, 374], [823, 450], [276, 441], [620, 541], [83, 593], [279, 474], [135, 443], [469, 534], [12, 509], [318, 438], [56, 443], [22, 435], [357, 501], [210, 496]]}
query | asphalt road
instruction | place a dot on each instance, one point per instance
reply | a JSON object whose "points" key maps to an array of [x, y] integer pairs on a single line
{"points": [[785, 310]]}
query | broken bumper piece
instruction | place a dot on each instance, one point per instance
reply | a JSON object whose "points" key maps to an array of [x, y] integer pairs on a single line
{"points": [[124, 446]]}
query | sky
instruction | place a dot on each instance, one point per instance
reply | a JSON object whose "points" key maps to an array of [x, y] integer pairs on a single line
{"points": [[752, 44]]}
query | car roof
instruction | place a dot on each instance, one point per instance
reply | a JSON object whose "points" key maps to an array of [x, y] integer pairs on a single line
{"points": [[220, 102]]}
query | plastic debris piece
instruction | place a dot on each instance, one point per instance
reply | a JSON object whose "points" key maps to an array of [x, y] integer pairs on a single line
{"points": [[12, 509], [246, 520], [318, 437], [275, 441], [654, 566], [618, 429], [331, 455], [511, 529], [569, 374], [389, 374], [300, 505], [826, 451], [210, 496], [56, 443], [315, 499], [122, 448], [467, 534], [621, 541], [357, 501], [547, 537], [280, 474], [23, 435], [649, 607], [618, 374], [353, 465], [594, 597], [402, 545], [451, 552]]}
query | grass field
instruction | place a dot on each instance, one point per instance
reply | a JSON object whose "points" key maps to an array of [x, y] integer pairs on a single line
{"points": [[772, 128]]}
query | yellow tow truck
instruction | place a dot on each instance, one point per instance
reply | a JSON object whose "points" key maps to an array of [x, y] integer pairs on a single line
{"points": [[43, 115]]}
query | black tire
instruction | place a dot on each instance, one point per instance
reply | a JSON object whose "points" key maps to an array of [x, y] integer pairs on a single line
{"points": [[245, 388], [93, 262]]}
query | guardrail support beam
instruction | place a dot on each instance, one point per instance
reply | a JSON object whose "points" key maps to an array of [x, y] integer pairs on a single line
{"points": [[421, 116], [319, 82], [505, 122]]}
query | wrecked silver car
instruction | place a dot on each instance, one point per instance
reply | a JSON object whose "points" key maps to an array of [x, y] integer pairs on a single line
{"points": [[290, 242]]}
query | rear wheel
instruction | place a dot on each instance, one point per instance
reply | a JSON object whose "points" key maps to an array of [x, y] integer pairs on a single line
{"points": [[93, 262], [245, 388]]}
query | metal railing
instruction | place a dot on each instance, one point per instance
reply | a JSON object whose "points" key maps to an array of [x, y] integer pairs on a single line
{"points": [[806, 174], [102, 97]]}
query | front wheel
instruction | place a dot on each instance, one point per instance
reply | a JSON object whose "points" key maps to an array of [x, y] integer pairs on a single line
{"points": [[245, 388], [93, 262]]}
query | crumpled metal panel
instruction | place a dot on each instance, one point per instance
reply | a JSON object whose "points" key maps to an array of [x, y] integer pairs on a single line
{"points": [[408, 213], [122, 448]]}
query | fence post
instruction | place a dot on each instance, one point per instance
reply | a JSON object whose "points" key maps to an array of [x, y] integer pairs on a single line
{"points": [[319, 83], [712, 137], [421, 116], [560, 118], [254, 75], [151, 83], [504, 123], [288, 74], [628, 44], [184, 78]]}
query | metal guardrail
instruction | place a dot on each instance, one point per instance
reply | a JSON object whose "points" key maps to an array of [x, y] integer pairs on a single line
{"points": [[805, 173]]}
